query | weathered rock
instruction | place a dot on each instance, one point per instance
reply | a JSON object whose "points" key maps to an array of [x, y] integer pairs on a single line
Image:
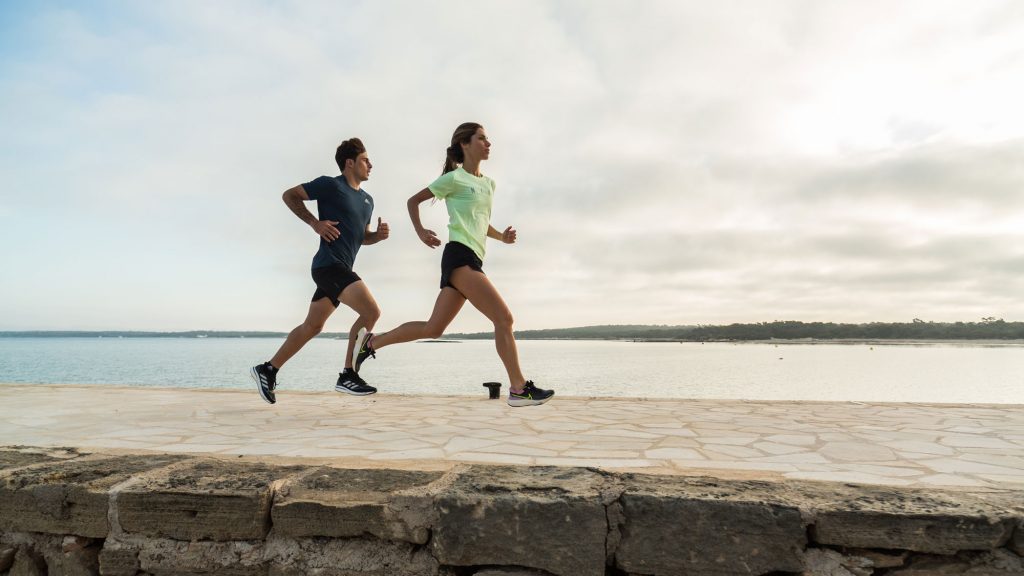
{"points": [[389, 504], [1016, 542], [988, 563], [347, 557], [7, 557], [905, 519], [880, 559], [118, 559], [679, 525], [27, 562], [825, 562], [509, 572], [164, 557], [67, 497], [17, 458], [203, 500], [546, 518], [68, 555]]}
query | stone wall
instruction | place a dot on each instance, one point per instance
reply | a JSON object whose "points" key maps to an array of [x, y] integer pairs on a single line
{"points": [[63, 512]]}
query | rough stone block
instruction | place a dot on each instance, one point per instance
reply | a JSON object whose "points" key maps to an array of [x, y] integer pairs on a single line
{"points": [[825, 562], [27, 562], [509, 572], [389, 504], [1016, 542], [17, 458], [203, 500], [68, 497], [163, 557], [907, 519], [347, 557], [987, 563], [118, 559], [7, 557], [679, 525], [552, 519]]}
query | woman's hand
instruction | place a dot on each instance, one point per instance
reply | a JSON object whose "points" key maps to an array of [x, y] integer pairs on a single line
{"points": [[509, 235], [428, 237]]}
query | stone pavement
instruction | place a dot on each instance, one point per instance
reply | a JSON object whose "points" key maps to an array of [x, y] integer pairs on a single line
{"points": [[977, 446]]}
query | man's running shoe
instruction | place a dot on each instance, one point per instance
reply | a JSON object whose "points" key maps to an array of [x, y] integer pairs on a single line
{"points": [[530, 396], [350, 383], [266, 380], [363, 349]]}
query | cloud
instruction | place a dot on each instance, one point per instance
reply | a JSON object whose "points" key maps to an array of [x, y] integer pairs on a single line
{"points": [[667, 162]]}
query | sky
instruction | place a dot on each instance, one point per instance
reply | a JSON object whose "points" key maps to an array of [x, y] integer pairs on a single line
{"points": [[676, 162]]}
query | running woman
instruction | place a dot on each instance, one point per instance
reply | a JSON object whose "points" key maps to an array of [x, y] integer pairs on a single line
{"points": [[343, 225], [468, 195]]}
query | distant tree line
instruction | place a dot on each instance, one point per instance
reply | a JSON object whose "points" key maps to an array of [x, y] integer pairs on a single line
{"points": [[986, 329]]}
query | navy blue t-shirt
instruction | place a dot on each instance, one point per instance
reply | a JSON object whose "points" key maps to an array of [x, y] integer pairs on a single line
{"points": [[350, 208]]}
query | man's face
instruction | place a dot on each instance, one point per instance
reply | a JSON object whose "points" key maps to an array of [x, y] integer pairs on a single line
{"points": [[361, 167]]}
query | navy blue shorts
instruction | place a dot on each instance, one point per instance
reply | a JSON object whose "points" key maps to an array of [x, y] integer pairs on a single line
{"points": [[457, 255], [331, 280]]}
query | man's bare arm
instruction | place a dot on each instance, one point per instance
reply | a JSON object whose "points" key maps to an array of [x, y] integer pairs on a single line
{"points": [[294, 198]]}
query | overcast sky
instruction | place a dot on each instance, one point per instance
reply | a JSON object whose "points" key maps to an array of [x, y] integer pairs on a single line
{"points": [[673, 162]]}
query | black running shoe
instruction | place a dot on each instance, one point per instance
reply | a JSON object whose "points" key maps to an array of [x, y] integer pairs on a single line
{"points": [[363, 348], [530, 396], [266, 380], [350, 383]]}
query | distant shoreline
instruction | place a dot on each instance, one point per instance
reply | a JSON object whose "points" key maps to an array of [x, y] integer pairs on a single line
{"points": [[453, 338]]}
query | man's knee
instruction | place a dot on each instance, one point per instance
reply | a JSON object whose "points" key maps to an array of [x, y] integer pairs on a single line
{"points": [[313, 327], [433, 331]]}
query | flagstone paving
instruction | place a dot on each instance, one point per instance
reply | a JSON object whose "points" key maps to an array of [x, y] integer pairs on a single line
{"points": [[892, 444]]}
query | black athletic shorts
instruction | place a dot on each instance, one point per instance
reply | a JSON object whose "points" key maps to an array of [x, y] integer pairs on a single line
{"points": [[331, 280], [457, 255]]}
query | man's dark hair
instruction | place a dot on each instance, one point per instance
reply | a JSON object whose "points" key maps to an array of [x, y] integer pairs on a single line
{"points": [[348, 150]]}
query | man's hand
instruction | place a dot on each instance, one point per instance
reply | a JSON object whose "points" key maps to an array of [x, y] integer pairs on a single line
{"points": [[509, 236], [326, 229], [383, 231], [428, 237]]}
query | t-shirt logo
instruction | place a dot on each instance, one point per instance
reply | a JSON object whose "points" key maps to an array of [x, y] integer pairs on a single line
{"points": [[366, 200]]}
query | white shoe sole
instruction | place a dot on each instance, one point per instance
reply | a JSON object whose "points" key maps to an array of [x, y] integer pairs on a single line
{"points": [[259, 385], [520, 402], [347, 391]]}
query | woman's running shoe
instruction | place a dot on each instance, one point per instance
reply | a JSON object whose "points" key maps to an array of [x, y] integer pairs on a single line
{"points": [[530, 396], [363, 348]]}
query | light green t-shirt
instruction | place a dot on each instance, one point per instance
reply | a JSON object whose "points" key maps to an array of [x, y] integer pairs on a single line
{"points": [[468, 199]]}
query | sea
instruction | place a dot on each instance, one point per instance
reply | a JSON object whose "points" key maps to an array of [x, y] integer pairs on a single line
{"points": [[960, 372]]}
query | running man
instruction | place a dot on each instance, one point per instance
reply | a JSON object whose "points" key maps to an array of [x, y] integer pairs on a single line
{"points": [[468, 195], [344, 210]]}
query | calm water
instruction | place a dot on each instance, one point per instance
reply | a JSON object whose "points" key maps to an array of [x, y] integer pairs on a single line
{"points": [[900, 373]]}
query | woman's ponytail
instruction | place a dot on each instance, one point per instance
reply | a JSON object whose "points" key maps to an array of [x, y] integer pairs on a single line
{"points": [[453, 155], [451, 161]]}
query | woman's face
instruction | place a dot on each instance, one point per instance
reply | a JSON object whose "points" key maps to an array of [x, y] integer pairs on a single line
{"points": [[478, 147]]}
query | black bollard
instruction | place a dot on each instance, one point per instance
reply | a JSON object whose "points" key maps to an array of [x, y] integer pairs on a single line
{"points": [[494, 388]]}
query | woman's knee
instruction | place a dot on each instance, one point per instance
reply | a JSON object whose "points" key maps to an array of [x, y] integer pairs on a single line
{"points": [[433, 331], [503, 321], [372, 315]]}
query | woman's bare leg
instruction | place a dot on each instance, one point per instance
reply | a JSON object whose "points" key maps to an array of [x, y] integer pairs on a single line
{"points": [[446, 307], [477, 288]]}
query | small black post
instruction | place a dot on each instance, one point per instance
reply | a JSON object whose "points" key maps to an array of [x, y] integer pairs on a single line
{"points": [[494, 388]]}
